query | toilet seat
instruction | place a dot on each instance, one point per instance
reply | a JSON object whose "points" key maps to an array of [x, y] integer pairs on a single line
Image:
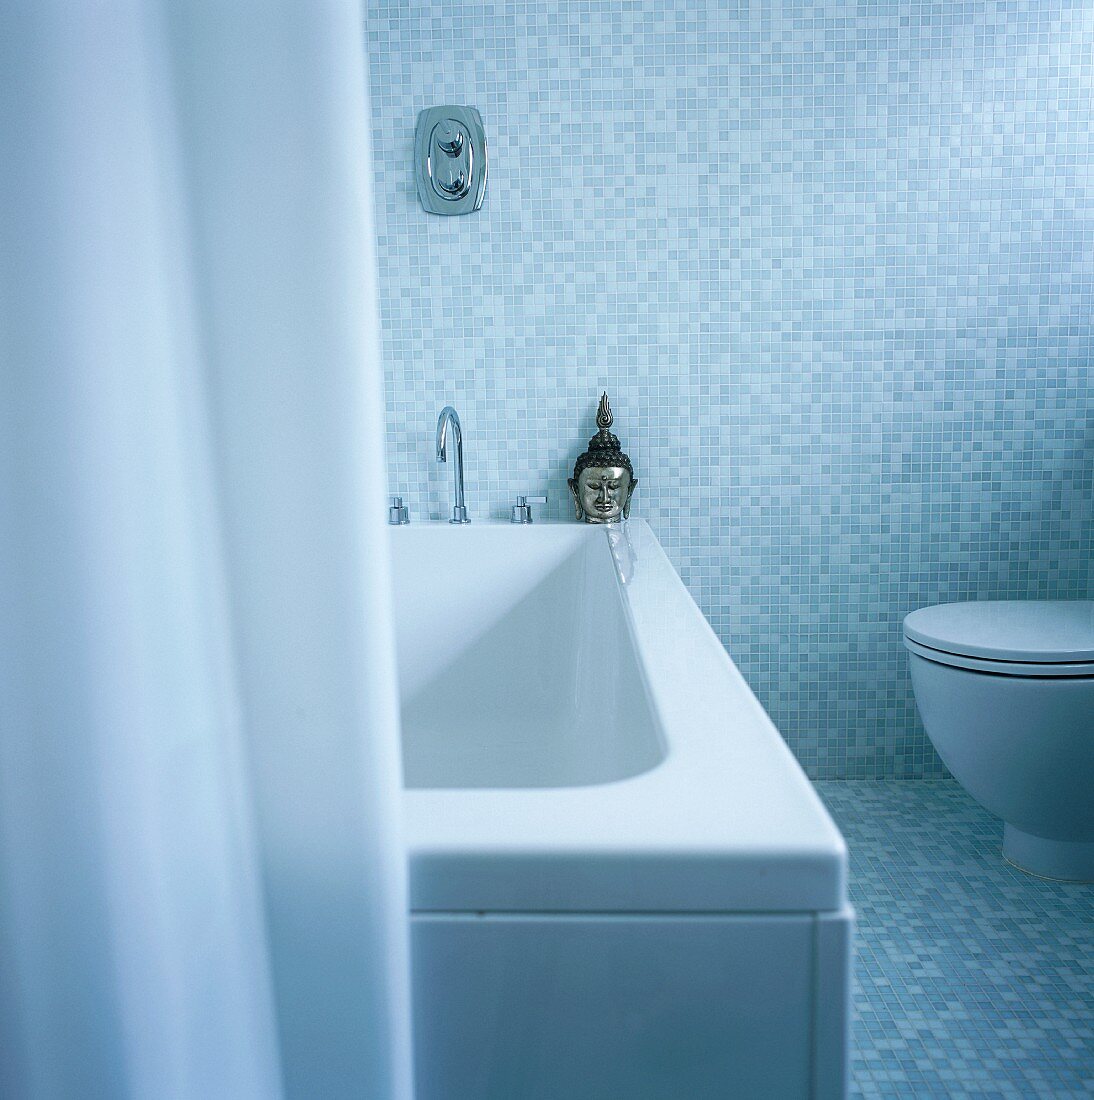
{"points": [[1043, 638], [1002, 668]]}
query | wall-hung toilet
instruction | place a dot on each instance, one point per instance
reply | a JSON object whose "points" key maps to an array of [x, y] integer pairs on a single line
{"points": [[1006, 693]]}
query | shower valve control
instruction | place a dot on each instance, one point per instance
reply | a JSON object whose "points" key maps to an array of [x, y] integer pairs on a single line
{"points": [[450, 160]]}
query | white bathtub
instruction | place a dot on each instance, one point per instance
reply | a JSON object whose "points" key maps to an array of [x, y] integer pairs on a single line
{"points": [[622, 884]]}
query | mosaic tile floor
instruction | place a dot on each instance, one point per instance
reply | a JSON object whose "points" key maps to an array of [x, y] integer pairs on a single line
{"points": [[972, 978]]}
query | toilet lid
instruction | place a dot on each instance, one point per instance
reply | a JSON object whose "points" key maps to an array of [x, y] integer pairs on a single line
{"points": [[1035, 631]]}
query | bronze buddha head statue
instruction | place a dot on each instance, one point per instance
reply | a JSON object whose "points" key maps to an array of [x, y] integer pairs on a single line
{"points": [[603, 480]]}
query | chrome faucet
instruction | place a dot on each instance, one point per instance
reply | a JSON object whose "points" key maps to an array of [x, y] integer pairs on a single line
{"points": [[448, 415]]}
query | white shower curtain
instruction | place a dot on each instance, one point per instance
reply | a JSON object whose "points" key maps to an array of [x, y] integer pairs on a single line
{"points": [[201, 888]]}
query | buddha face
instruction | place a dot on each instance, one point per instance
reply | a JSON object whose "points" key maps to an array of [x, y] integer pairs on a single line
{"points": [[602, 494]]}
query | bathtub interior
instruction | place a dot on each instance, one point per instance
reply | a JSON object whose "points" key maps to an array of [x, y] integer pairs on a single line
{"points": [[516, 664]]}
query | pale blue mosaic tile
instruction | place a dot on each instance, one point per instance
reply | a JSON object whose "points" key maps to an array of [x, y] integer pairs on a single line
{"points": [[834, 263], [972, 979]]}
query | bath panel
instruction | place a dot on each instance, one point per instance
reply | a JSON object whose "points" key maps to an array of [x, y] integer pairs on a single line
{"points": [[590, 1007]]}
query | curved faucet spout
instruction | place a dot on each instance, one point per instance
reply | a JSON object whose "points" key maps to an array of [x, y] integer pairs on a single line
{"points": [[450, 416]]}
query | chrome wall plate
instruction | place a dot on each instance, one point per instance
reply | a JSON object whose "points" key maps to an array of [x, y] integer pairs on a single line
{"points": [[450, 159]]}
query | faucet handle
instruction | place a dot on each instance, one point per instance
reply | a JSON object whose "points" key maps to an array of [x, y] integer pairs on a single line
{"points": [[398, 513], [521, 512]]}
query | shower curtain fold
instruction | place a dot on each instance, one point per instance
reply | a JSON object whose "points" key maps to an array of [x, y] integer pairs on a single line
{"points": [[202, 889]]}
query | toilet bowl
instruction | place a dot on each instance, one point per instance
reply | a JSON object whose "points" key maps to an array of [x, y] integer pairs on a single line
{"points": [[1006, 693]]}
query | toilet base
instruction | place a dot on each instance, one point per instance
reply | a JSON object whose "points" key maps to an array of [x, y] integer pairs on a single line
{"points": [[1067, 860]]}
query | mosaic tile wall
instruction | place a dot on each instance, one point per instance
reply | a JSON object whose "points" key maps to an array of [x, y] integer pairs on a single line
{"points": [[834, 263]]}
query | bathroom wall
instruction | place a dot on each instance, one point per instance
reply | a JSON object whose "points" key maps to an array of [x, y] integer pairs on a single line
{"points": [[834, 264]]}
